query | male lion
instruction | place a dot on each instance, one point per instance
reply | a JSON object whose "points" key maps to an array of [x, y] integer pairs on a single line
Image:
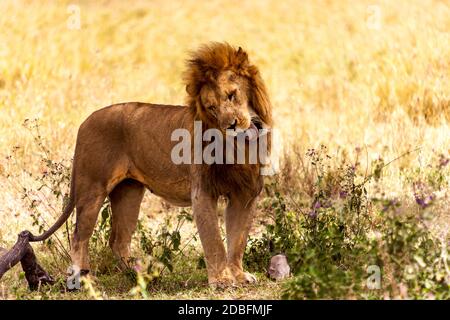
{"points": [[123, 149]]}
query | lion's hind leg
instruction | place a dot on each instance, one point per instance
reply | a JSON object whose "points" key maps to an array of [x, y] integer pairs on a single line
{"points": [[126, 200], [88, 205]]}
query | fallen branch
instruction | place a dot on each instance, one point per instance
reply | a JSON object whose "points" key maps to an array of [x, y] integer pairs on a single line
{"points": [[23, 252]]}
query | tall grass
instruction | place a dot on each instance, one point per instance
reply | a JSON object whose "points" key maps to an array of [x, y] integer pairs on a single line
{"points": [[369, 79]]}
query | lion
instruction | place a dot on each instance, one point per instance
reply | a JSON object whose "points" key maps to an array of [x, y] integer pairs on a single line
{"points": [[124, 149]]}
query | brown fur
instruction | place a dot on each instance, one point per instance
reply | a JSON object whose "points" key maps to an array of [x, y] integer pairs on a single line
{"points": [[209, 61], [204, 67], [123, 149]]}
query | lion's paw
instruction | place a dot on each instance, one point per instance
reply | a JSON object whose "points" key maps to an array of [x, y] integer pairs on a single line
{"points": [[223, 280], [245, 278]]}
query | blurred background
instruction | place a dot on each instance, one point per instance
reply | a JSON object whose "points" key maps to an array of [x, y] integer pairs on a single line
{"points": [[369, 79]]}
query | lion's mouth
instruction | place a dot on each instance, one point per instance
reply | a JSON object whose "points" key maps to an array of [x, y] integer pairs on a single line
{"points": [[251, 133]]}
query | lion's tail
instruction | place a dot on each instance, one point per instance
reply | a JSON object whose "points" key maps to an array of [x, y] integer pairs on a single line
{"points": [[62, 219]]}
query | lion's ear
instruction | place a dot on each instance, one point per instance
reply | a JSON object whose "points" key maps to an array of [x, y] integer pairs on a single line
{"points": [[259, 97], [241, 52], [242, 58], [191, 90]]}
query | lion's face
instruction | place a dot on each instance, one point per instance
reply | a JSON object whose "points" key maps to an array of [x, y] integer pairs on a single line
{"points": [[224, 102], [225, 90]]}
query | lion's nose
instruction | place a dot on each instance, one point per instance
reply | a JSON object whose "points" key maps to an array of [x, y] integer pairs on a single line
{"points": [[233, 125]]}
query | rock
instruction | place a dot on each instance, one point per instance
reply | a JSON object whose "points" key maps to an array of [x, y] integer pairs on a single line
{"points": [[279, 268]]}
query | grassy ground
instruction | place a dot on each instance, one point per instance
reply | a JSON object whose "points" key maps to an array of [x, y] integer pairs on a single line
{"points": [[369, 79], [187, 282]]}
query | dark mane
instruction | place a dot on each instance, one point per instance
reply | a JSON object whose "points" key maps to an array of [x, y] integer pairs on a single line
{"points": [[203, 68], [207, 62]]}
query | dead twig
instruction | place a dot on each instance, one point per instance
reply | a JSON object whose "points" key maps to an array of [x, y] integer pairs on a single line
{"points": [[23, 252]]}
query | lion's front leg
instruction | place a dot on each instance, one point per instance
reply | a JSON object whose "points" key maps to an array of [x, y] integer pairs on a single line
{"points": [[205, 214], [238, 219]]}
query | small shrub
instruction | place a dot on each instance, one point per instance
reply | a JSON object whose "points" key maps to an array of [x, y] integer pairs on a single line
{"points": [[163, 244], [333, 236]]}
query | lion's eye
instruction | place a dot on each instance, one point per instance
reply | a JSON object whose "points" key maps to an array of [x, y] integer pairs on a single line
{"points": [[231, 96]]}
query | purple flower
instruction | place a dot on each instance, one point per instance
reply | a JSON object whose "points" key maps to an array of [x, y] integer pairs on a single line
{"points": [[420, 202], [313, 214], [342, 194], [443, 161], [390, 204], [316, 205], [138, 267], [423, 202]]}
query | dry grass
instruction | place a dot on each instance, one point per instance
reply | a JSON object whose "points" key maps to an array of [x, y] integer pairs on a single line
{"points": [[372, 75]]}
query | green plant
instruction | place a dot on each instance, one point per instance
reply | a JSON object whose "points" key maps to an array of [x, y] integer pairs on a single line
{"points": [[334, 235], [417, 261], [50, 186], [163, 243]]}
